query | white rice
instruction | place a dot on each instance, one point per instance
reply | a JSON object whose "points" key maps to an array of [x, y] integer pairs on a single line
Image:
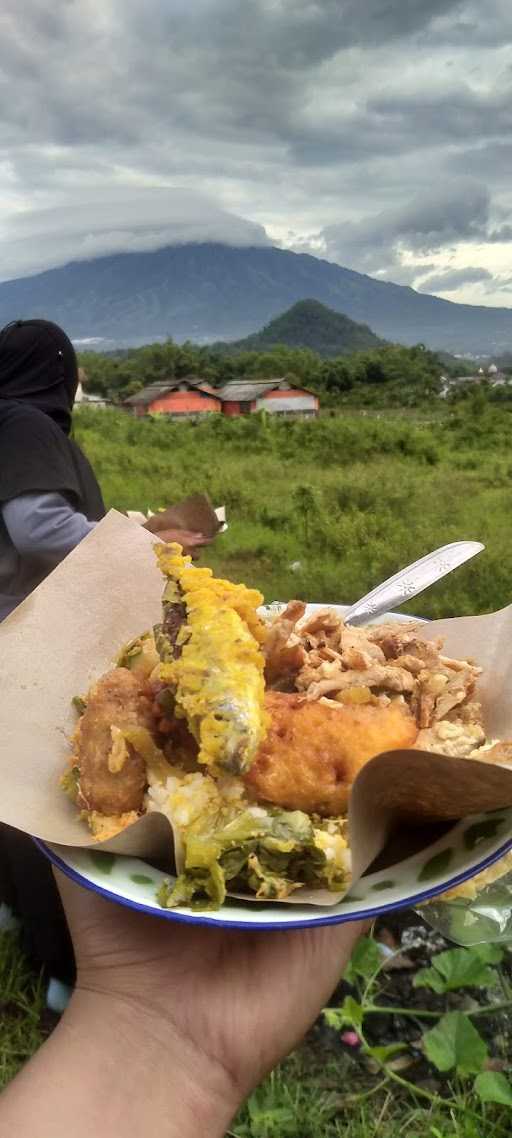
{"points": [[184, 799]]}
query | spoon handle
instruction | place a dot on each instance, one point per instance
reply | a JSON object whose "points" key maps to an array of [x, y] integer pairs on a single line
{"points": [[411, 581]]}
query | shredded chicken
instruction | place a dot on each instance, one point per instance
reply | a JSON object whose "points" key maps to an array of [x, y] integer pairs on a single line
{"points": [[284, 650], [392, 679], [324, 659]]}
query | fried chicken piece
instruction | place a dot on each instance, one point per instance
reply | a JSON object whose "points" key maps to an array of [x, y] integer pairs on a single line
{"points": [[112, 774], [323, 625], [313, 751], [399, 640]]}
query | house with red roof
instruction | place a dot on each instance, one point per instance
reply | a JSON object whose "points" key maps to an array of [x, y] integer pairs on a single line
{"points": [[194, 398]]}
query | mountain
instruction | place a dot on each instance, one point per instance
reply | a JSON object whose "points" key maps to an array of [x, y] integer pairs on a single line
{"points": [[309, 324], [208, 292]]}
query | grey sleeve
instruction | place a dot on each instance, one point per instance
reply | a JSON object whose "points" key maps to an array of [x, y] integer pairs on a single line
{"points": [[44, 525]]}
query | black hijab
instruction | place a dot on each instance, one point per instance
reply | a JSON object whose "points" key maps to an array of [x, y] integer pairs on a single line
{"points": [[38, 382]]}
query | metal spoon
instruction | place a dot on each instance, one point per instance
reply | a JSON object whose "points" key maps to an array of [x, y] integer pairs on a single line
{"points": [[411, 581]]}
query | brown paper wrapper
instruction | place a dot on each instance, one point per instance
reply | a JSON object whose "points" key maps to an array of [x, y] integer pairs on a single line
{"points": [[66, 634]]}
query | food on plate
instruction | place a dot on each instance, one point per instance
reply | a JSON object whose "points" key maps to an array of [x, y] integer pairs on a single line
{"points": [[210, 645], [312, 752], [248, 732], [381, 663], [112, 772], [470, 889]]}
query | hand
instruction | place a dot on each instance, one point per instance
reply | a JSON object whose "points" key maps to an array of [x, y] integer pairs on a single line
{"points": [[191, 542], [222, 1007], [189, 539]]}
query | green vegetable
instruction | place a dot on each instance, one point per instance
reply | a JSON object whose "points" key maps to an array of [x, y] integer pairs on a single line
{"points": [[365, 962], [70, 783], [205, 890], [268, 853], [139, 655], [79, 704]]}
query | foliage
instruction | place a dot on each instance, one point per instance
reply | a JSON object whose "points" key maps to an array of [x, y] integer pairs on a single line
{"points": [[458, 968], [453, 1044], [313, 1093], [386, 375], [492, 1086]]}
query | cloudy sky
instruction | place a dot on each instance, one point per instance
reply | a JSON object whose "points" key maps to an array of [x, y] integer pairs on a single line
{"points": [[375, 133]]}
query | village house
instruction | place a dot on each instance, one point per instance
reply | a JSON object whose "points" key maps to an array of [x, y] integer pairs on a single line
{"points": [[492, 376], [277, 396], [193, 397], [86, 398], [188, 398]]}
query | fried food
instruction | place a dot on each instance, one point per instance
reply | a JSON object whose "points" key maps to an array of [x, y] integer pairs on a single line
{"points": [[214, 663], [112, 775], [383, 660], [313, 750]]}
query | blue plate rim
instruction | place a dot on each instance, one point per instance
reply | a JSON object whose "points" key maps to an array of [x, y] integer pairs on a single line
{"points": [[333, 919]]}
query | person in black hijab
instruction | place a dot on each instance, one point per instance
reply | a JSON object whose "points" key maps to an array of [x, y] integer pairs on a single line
{"points": [[49, 501], [49, 497]]}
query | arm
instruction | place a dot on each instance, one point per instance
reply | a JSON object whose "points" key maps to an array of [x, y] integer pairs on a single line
{"points": [[109, 1073], [44, 525], [171, 1025]]}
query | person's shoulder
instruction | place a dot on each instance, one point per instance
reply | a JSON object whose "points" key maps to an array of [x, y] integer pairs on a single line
{"points": [[20, 419]]}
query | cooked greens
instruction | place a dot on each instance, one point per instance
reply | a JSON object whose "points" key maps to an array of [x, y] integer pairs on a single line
{"points": [[266, 852]]}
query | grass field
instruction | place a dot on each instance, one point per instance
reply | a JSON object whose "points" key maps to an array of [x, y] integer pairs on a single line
{"points": [[346, 501]]}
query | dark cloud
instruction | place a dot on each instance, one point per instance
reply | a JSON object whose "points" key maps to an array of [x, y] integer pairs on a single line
{"points": [[472, 24], [447, 115], [356, 119], [452, 279], [437, 218]]}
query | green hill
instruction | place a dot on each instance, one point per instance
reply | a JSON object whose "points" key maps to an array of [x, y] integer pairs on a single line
{"points": [[309, 324]]}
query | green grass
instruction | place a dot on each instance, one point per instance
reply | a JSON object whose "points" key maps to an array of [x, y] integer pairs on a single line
{"points": [[314, 1097], [350, 498], [21, 1005]]}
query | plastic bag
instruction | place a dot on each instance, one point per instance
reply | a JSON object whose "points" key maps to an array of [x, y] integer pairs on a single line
{"points": [[485, 919]]}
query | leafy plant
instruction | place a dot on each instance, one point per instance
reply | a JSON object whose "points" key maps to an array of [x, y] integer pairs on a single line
{"points": [[492, 1086], [304, 501], [453, 1044], [460, 968]]}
